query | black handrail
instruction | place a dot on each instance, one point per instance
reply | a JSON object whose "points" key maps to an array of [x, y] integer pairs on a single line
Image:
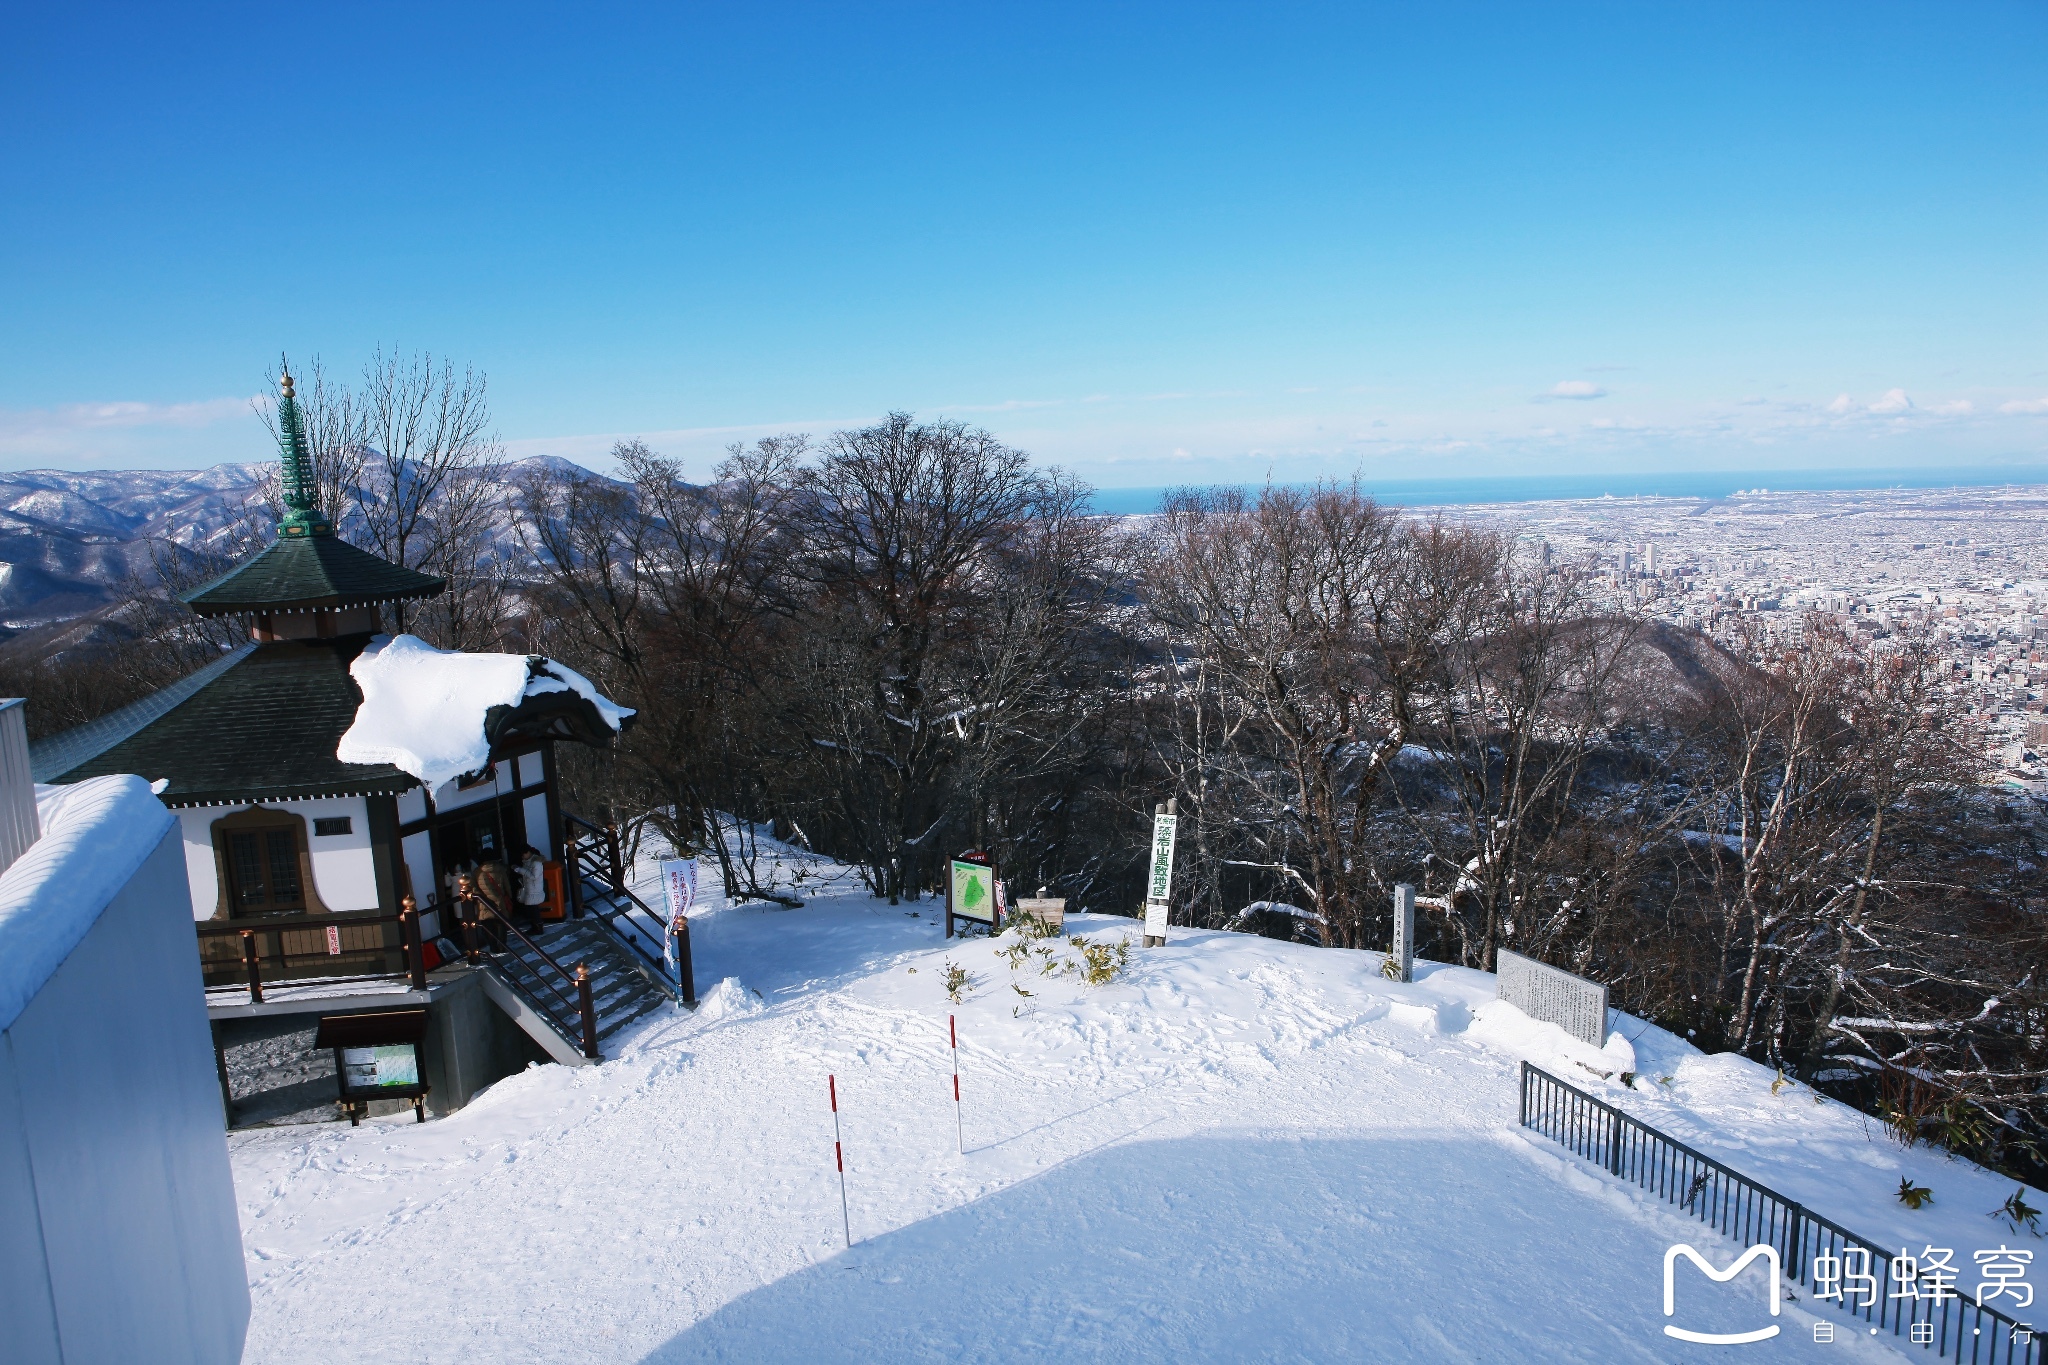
{"points": [[572, 1009], [1811, 1248], [595, 862]]}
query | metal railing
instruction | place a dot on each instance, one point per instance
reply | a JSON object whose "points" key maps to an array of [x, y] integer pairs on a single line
{"points": [[561, 993], [1859, 1277], [592, 861], [271, 960]]}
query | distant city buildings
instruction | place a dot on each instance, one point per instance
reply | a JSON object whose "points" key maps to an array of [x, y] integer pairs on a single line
{"points": [[1970, 565]]}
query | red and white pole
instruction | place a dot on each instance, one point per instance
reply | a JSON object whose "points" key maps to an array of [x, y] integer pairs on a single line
{"points": [[959, 1128], [839, 1157]]}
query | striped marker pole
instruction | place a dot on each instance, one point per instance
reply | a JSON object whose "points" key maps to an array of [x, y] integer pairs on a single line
{"points": [[839, 1157], [959, 1128]]}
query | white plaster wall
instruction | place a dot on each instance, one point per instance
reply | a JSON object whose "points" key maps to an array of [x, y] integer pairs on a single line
{"points": [[196, 827], [450, 797], [118, 1232], [344, 869]]}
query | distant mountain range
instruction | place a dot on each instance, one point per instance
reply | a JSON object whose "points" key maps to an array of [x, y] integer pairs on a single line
{"points": [[68, 542]]}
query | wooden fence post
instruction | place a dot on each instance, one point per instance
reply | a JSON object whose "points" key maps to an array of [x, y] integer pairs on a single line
{"points": [[413, 946], [685, 971], [588, 1006], [255, 972]]}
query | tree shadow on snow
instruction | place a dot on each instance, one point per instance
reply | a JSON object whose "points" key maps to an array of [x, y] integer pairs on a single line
{"points": [[1253, 1248]]}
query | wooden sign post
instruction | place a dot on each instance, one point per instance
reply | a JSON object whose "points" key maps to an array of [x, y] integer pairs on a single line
{"points": [[1159, 886], [1404, 933]]}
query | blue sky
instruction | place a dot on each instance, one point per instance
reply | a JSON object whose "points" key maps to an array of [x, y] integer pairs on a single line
{"points": [[1154, 244]]}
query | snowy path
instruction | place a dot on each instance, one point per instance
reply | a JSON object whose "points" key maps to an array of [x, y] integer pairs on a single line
{"points": [[1242, 1151]]}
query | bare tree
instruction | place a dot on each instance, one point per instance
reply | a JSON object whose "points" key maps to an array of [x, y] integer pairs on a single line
{"points": [[431, 496], [1316, 621], [669, 594], [905, 528]]}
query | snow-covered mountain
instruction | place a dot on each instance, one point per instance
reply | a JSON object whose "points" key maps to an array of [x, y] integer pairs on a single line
{"points": [[68, 540]]}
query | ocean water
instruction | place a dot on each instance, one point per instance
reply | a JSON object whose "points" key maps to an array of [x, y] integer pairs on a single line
{"points": [[1666, 484]]}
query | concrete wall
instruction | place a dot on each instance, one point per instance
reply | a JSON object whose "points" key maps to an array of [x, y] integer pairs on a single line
{"points": [[118, 1235], [276, 1075], [470, 1044]]}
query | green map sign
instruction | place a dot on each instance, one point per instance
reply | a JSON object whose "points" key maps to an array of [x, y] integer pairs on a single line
{"points": [[974, 892]]}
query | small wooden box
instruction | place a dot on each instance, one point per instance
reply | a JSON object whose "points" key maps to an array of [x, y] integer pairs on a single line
{"points": [[1051, 912]]}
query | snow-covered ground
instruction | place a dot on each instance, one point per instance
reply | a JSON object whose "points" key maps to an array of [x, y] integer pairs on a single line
{"points": [[1239, 1150]]}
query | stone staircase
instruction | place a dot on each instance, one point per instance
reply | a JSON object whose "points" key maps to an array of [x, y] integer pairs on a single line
{"points": [[618, 939], [538, 976]]}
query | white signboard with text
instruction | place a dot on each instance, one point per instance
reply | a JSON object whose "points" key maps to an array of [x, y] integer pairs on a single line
{"points": [[1574, 1004], [1160, 885]]}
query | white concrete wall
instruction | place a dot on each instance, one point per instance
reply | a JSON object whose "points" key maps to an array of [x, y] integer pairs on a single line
{"points": [[344, 868], [118, 1234]]}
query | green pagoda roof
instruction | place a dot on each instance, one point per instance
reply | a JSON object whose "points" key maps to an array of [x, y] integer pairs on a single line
{"points": [[260, 724], [305, 573], [308, 567]]}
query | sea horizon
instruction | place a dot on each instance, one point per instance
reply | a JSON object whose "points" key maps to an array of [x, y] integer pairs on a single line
{"points": [[1705, 485]]}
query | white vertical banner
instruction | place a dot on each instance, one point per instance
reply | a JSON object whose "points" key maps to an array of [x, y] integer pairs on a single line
{"points": [[1159, 887], [679, 885]]}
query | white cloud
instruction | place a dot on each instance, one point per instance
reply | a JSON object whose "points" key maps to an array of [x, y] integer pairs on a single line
{"points": [[1958, 408], [1841, 403], [1576, 388], [2025, 405], [1894, 400], [114, 434], [18, 422]]}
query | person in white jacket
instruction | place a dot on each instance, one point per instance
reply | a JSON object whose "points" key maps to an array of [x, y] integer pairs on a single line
{"points": [[533, 889]]}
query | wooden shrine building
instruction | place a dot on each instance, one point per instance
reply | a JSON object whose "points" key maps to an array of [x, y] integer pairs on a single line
{"points": [[300, 862]]}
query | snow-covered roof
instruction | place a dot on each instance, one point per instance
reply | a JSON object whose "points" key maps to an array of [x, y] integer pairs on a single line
{"points": [[429, 711], [96, 834]]}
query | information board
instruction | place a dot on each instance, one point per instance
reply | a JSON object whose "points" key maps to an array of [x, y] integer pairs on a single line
{"points": [[375, 1068], [973, 892], [1574, 1004]]}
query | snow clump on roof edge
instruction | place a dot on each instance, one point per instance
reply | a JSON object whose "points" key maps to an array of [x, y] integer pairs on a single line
{"points": [[423, 708], [96, 834]]}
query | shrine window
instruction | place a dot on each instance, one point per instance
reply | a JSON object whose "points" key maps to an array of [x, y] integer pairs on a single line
{"points": [[264, 869]]}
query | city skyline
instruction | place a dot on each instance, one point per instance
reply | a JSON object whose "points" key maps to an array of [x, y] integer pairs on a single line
{"points": [[1157, 247]]}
